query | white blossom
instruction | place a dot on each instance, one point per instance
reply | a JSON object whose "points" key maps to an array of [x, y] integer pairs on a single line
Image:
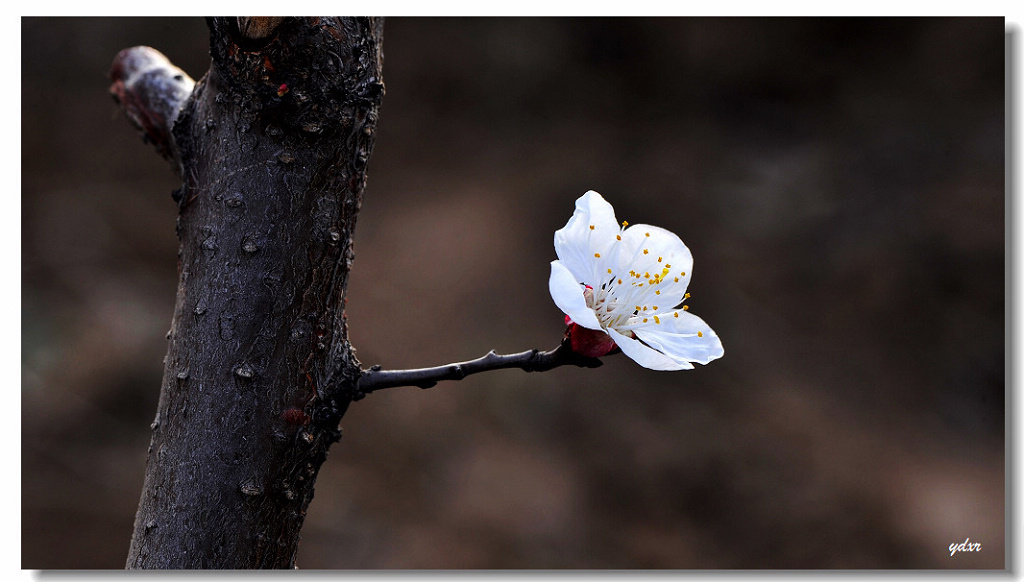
{"points": [[625, 286]]}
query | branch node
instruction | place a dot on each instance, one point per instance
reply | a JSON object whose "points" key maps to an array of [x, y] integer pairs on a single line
{"points": [[258, 27]]}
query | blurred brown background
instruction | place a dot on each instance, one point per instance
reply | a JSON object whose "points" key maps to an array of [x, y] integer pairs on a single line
{"points": [[840, 183]]}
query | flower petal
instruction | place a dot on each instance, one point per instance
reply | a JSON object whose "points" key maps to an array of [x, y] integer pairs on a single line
{"points": [[676, 337], [589, 234], [657, 258], [568, 296], [645, 355]]}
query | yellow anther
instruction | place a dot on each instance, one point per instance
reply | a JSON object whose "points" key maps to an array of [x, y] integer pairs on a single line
{"points": [[675, 314], [647, 234], [682, 274], [668, 266], [618, 237], [655, 307], [591, 227], [656, 320], [686, 296], [677, 279], [659, 259], [638, 308], [645, 250], [645, 320], [685, 307], [647, 275], [609, 271], [620, 281], [598, 255], [624, 224], [657, 292], [699, 334]]}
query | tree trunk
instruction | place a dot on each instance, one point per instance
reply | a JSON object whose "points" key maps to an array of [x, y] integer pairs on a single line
{"points": [[273, 145]]}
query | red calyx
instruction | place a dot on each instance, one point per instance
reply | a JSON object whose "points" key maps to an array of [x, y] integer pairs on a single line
{"points": [[588, 342]]}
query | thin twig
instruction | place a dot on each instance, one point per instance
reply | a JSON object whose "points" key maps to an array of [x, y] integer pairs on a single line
{"points": [[531, 361]]}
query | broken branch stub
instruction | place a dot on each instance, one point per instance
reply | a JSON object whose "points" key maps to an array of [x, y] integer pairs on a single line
{"points": [[151, 91]]}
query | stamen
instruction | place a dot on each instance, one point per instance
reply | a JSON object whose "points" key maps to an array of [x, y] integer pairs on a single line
{"points": [[656, 320], [624, 224], [645, 250], [591, 227], [675, 314], [659, 259], [699, 334], [598, 255], [685, 307]]}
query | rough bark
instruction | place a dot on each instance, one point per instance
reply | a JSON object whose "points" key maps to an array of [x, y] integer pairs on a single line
{"points": [[273, 146]]}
